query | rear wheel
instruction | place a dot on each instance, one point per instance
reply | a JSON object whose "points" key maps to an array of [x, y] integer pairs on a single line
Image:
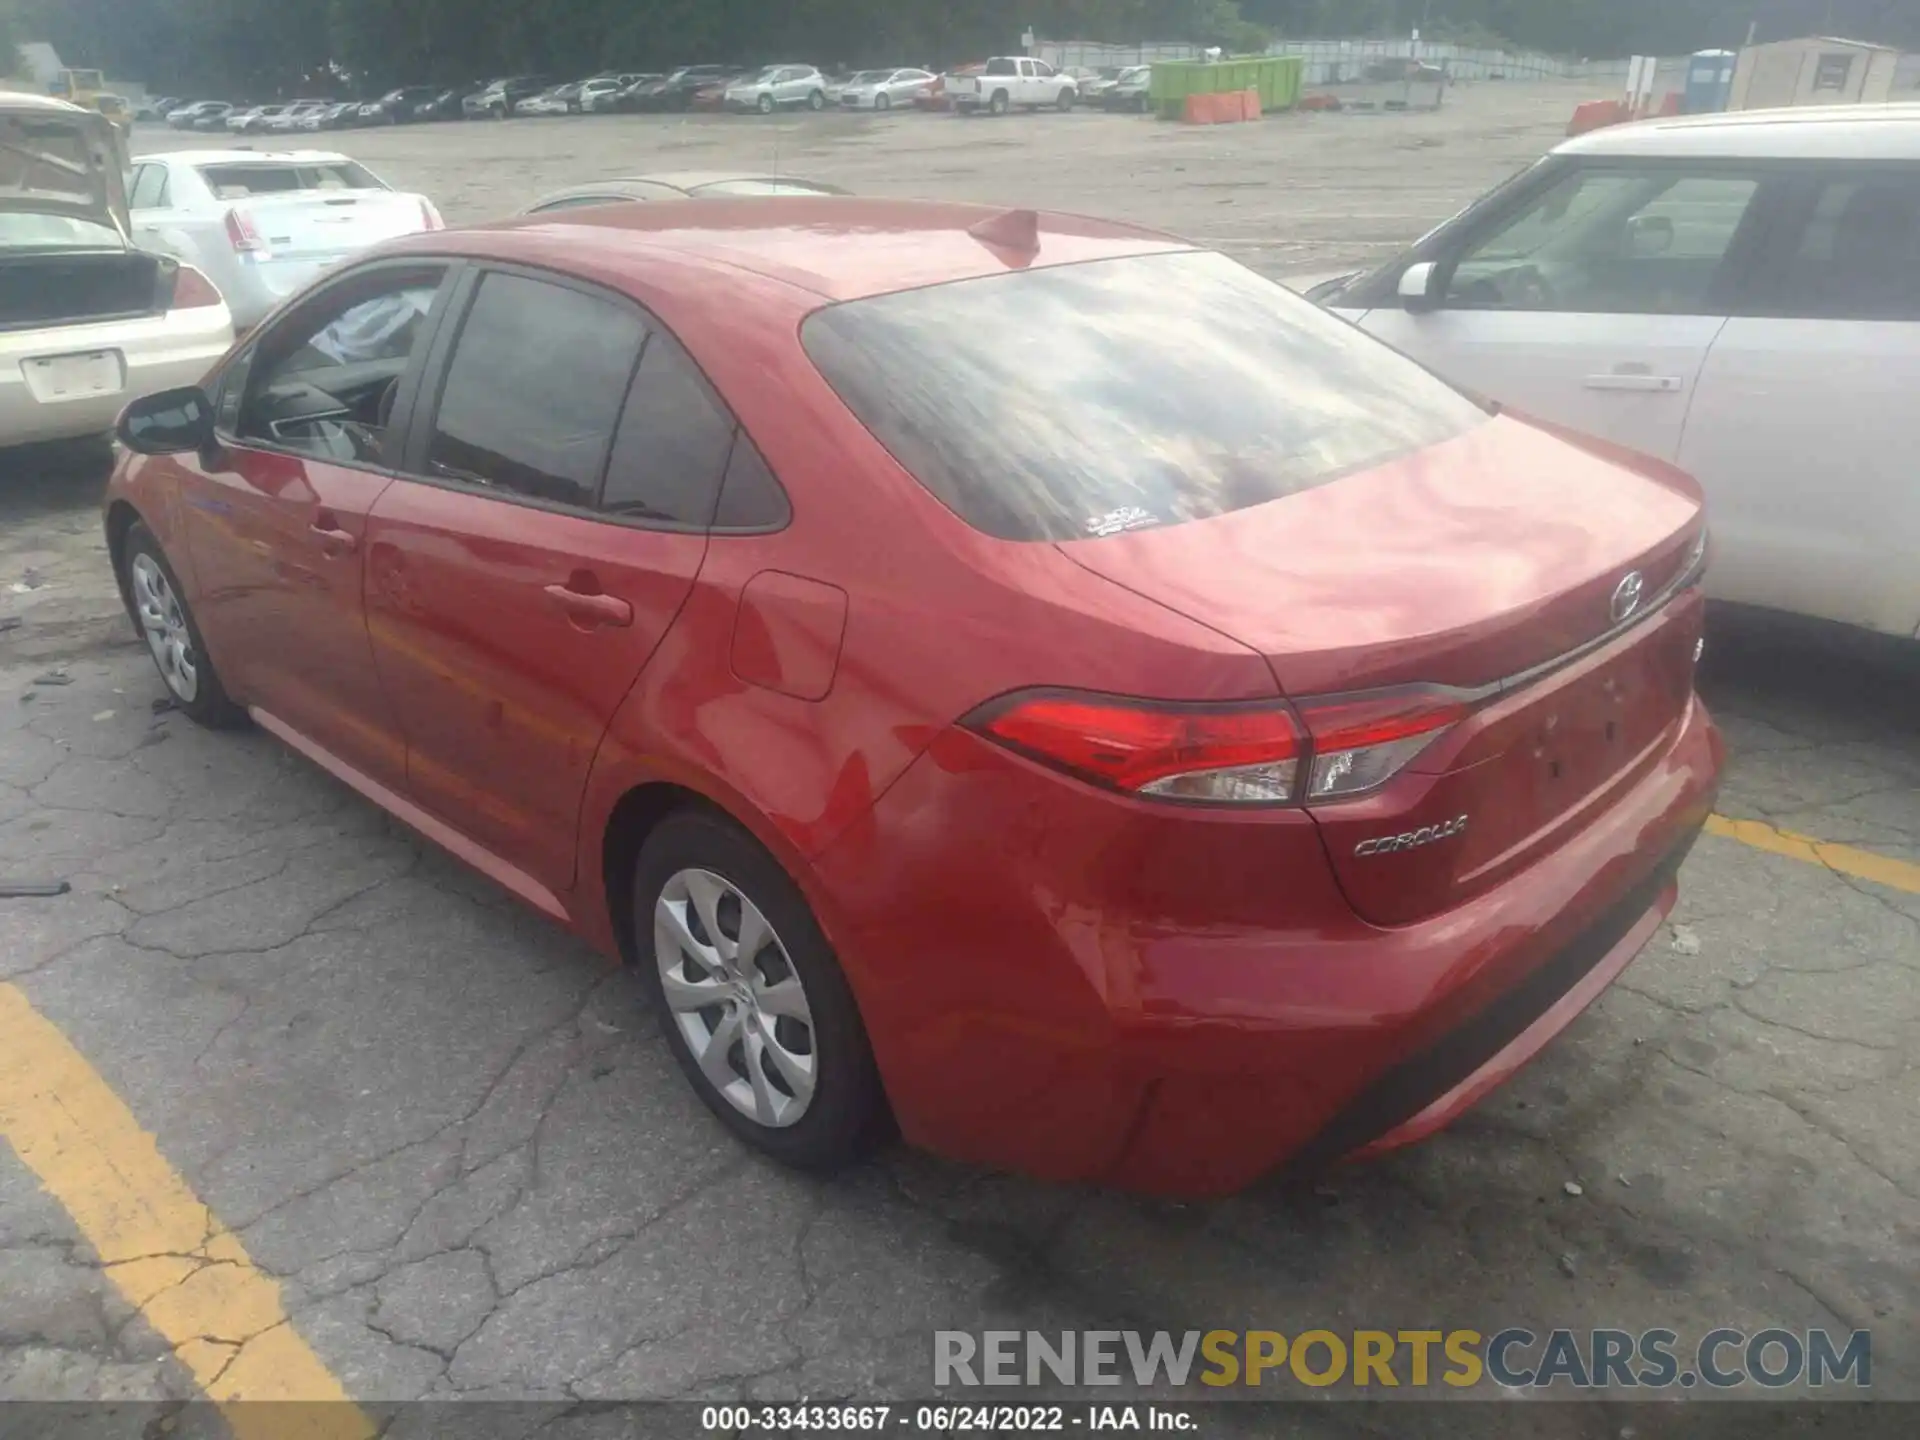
{"points": [[173, 639], [1001, 102], [882, 101], [817, 100], [752, 1000]]}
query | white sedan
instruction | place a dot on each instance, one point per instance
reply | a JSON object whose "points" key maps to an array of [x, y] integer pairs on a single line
{"points": [[87, 322], [1738, 295], [884, 89], [264, 223]]}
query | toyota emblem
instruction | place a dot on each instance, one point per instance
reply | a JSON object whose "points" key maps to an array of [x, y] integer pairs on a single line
{"points": [[1626, 596]]}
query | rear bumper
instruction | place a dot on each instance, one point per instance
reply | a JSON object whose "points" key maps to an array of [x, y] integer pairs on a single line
{"points": [[1085, 988], [157, 353]]}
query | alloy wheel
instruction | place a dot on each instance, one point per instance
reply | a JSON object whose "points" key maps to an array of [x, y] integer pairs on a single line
{"points": [[736, 997], [164, 623]]}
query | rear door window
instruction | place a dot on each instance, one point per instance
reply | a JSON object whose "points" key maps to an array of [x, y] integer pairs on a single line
{"points": [[671, 448], [1082, 400], [149, 188], [1856, 254], [534, 390]]}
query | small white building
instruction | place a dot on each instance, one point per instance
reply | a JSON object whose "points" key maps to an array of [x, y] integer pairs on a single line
{"points": [[1818, 70]]}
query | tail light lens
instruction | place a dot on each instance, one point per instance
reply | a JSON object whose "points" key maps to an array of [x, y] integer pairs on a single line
{"points": [[430, 217], [1361, 742], [244, 237], [193, 291], [1267, 753], [1240, 755]]}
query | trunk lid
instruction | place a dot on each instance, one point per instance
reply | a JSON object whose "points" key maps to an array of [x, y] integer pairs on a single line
{"points": [[327, 225], [1490, 564], [58, 159]]}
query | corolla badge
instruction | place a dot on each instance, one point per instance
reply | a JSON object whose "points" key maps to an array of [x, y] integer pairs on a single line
{"points": [[1626, 596], [1411, 840]]}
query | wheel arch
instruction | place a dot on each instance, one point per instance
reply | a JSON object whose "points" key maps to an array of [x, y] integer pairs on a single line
{"points": [[635, 816], [648, 800], [121, 518]]}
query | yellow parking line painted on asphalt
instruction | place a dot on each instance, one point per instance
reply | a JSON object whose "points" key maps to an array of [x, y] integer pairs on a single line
{"points": [[173, 1260], [1861, 864]]}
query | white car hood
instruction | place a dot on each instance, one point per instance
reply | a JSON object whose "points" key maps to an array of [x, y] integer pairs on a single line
{"points": [[57, 159]]}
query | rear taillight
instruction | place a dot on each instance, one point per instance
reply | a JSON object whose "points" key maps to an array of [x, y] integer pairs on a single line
{"points": [[430, 217], [1238, 755], [244, 237], [1360, 742], [193, 291], [1266, 753]]}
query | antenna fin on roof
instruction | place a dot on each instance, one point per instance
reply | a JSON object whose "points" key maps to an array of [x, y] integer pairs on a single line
{"points": [[1011, 230]]}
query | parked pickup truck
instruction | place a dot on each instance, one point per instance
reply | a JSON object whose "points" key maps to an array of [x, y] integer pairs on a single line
{"points": [[1011, 80]]}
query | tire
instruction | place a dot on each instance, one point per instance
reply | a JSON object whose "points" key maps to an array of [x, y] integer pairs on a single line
{"points": [[1067, 97], [816, 100], [882, 101], [697, 861], [1000, 103], [766, 104], [165, 622]]}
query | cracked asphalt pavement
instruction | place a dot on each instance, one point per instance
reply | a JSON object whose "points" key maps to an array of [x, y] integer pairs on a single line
{"points": [[457, 1141]]}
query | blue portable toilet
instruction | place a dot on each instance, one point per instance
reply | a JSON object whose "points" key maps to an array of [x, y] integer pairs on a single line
{"points": [[1709, 81]]}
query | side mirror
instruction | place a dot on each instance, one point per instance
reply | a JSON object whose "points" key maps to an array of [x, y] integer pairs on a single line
{"points": [[169, 423], [1417, 285], [1650, 235]]}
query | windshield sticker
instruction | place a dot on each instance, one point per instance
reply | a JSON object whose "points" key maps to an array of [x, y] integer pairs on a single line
{"points": [[1127, 517]]}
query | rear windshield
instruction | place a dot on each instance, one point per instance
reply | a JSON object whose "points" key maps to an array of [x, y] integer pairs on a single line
{"points": [[238, 181], [1088, 399]]}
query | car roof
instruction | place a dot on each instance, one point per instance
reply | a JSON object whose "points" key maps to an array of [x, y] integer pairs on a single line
{"points": [[836, 247], [1823, 132], [245, 157]]}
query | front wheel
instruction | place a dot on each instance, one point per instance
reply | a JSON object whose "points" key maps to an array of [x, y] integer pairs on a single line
{"points": [[817, 100], [766, 104], [753, 1002], [173, 639], [882, 101], [1066, 100]]}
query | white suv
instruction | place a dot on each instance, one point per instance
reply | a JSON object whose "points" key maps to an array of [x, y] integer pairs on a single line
{"points": [[779, 87], [1736, 294]]}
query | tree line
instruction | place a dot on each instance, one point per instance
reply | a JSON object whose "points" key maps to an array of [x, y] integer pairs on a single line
{"points": [[268, 47]]}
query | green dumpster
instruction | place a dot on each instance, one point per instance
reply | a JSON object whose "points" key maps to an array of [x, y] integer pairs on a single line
{"points": [[1276, 78]]}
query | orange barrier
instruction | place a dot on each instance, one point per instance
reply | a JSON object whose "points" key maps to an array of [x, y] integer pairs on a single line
{"points": [[1319, 102], [1595, 114], [1225, 107]]}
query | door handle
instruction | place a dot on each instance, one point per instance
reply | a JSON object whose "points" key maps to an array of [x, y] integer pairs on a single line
{"points": [[334, 542], [1644, 384], [591, 609]]}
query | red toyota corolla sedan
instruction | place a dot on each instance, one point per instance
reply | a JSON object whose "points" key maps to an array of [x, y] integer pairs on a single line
{"points": [[1021, 676]]}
